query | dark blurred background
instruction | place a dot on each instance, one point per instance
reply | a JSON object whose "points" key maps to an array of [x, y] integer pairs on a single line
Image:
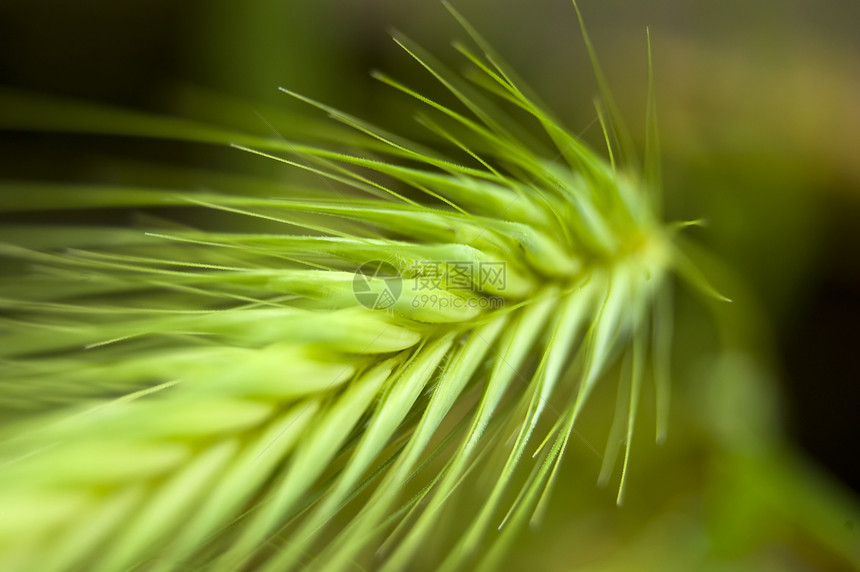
{"points": [[759, 108]]}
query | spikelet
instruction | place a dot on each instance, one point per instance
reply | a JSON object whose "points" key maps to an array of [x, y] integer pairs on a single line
{"points": [[176, 398]]}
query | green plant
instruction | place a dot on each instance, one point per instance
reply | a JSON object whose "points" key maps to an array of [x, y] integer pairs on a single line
{"points": [[236, 404]]}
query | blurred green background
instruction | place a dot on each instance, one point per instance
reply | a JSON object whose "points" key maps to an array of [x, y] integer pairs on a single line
{"points": [[759, 109]]}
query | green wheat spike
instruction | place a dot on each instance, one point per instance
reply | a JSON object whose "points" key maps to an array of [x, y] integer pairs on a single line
{"points": [[176, 398]]}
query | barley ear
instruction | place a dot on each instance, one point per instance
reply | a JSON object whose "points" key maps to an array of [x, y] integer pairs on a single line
{"points": [[426, 323]]}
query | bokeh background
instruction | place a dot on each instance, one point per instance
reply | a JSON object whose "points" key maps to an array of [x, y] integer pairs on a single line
{"points": [[759, 109]]}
